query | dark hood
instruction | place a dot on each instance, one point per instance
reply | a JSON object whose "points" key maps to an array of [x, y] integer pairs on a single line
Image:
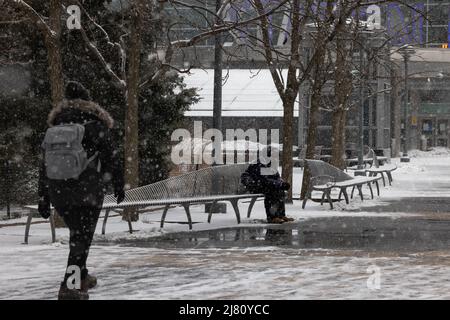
{"points": [[83, 106]]}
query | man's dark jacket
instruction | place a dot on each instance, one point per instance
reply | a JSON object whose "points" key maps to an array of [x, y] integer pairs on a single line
{"points": [[256, 182], [90, 187]]}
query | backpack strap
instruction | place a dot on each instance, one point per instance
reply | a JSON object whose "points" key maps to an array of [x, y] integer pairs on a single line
{"points": [[89, 160]]}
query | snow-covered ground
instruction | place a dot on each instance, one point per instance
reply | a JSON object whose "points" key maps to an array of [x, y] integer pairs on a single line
{"points": [[33, 271]]}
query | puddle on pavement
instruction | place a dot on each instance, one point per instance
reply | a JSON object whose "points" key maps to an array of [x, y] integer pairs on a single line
{"points": [[406, 234]]}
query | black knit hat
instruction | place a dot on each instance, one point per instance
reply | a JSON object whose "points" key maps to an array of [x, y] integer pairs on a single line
{"points": [[75, 90]]}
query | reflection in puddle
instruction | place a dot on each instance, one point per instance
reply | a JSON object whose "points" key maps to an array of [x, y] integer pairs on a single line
{"points": [[409, 234]]}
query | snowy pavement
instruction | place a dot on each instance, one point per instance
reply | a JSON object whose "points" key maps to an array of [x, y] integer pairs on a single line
{"points": [[267, 273], [128, 268]]}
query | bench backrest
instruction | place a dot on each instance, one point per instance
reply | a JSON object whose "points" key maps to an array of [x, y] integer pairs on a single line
{"points": [[321, 168], [317, 152], [217, 180]]}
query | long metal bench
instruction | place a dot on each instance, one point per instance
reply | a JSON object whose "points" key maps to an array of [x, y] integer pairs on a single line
{"points": [[325, 177], [208, 185]]}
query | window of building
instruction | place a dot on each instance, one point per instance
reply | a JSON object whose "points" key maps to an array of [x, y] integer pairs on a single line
{"points": [[438, 13], [442, 127], [438, 34], [427, 126]]}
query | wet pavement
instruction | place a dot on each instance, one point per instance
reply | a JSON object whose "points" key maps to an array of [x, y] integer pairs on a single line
{"points": [[406, 234]]}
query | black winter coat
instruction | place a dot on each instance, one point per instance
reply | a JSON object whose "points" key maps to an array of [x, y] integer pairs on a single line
{"points": [[256, 182], [89, 189]]}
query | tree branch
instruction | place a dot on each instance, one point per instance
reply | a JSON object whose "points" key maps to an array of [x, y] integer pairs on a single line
{"points": [[34, 16]]}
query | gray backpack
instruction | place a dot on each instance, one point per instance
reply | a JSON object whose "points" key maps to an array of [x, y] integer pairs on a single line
{"points": [[65, 157]]}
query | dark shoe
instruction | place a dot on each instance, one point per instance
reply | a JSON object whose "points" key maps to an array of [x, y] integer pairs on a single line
{"points": [[275, 220], [88, 283], [71, 294], [287, 219]]}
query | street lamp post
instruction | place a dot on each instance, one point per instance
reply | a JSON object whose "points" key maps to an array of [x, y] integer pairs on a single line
{"points": [[406, 51]]}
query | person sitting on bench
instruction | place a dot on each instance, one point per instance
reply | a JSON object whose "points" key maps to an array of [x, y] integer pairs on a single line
{"points": [[261, 178]]}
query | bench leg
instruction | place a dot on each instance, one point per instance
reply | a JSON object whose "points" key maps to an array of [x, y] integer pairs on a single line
{"points": [[360, 192], [188, 214], [371, 191], [353, 190], [210, 213], [27, 227], [163, 217], [105, 219], [344, 192], [52, 225], [250, 207], [234, 203], [328, 195], [389, 175], [378, 187], [130, 226]]}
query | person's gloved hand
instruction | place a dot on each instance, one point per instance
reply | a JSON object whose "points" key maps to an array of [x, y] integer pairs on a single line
{"points": [[285, 186], [44, 207], [120, 195]]}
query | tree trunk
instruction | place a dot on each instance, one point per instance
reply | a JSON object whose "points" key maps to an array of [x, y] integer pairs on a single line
{"points": [[288, 142], [52, 42], [132, 116], [317, 85], [55, 69], [338, 138], [342, 91], [311, 137]]}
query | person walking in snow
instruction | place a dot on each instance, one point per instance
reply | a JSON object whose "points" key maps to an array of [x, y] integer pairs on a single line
{"points": [[79, 161], [270, 184]]}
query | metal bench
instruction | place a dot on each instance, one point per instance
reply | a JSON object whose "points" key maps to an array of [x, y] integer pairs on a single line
{"points": [[325, 177], [208, 185], [368, 159], [385, 168]]}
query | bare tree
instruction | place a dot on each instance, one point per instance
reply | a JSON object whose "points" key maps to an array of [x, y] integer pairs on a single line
{"points": [[343, 86], [321, 66]]}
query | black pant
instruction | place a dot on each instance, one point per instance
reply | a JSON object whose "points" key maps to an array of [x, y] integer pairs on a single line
{"points": [[81, 222], [274, 203]]}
